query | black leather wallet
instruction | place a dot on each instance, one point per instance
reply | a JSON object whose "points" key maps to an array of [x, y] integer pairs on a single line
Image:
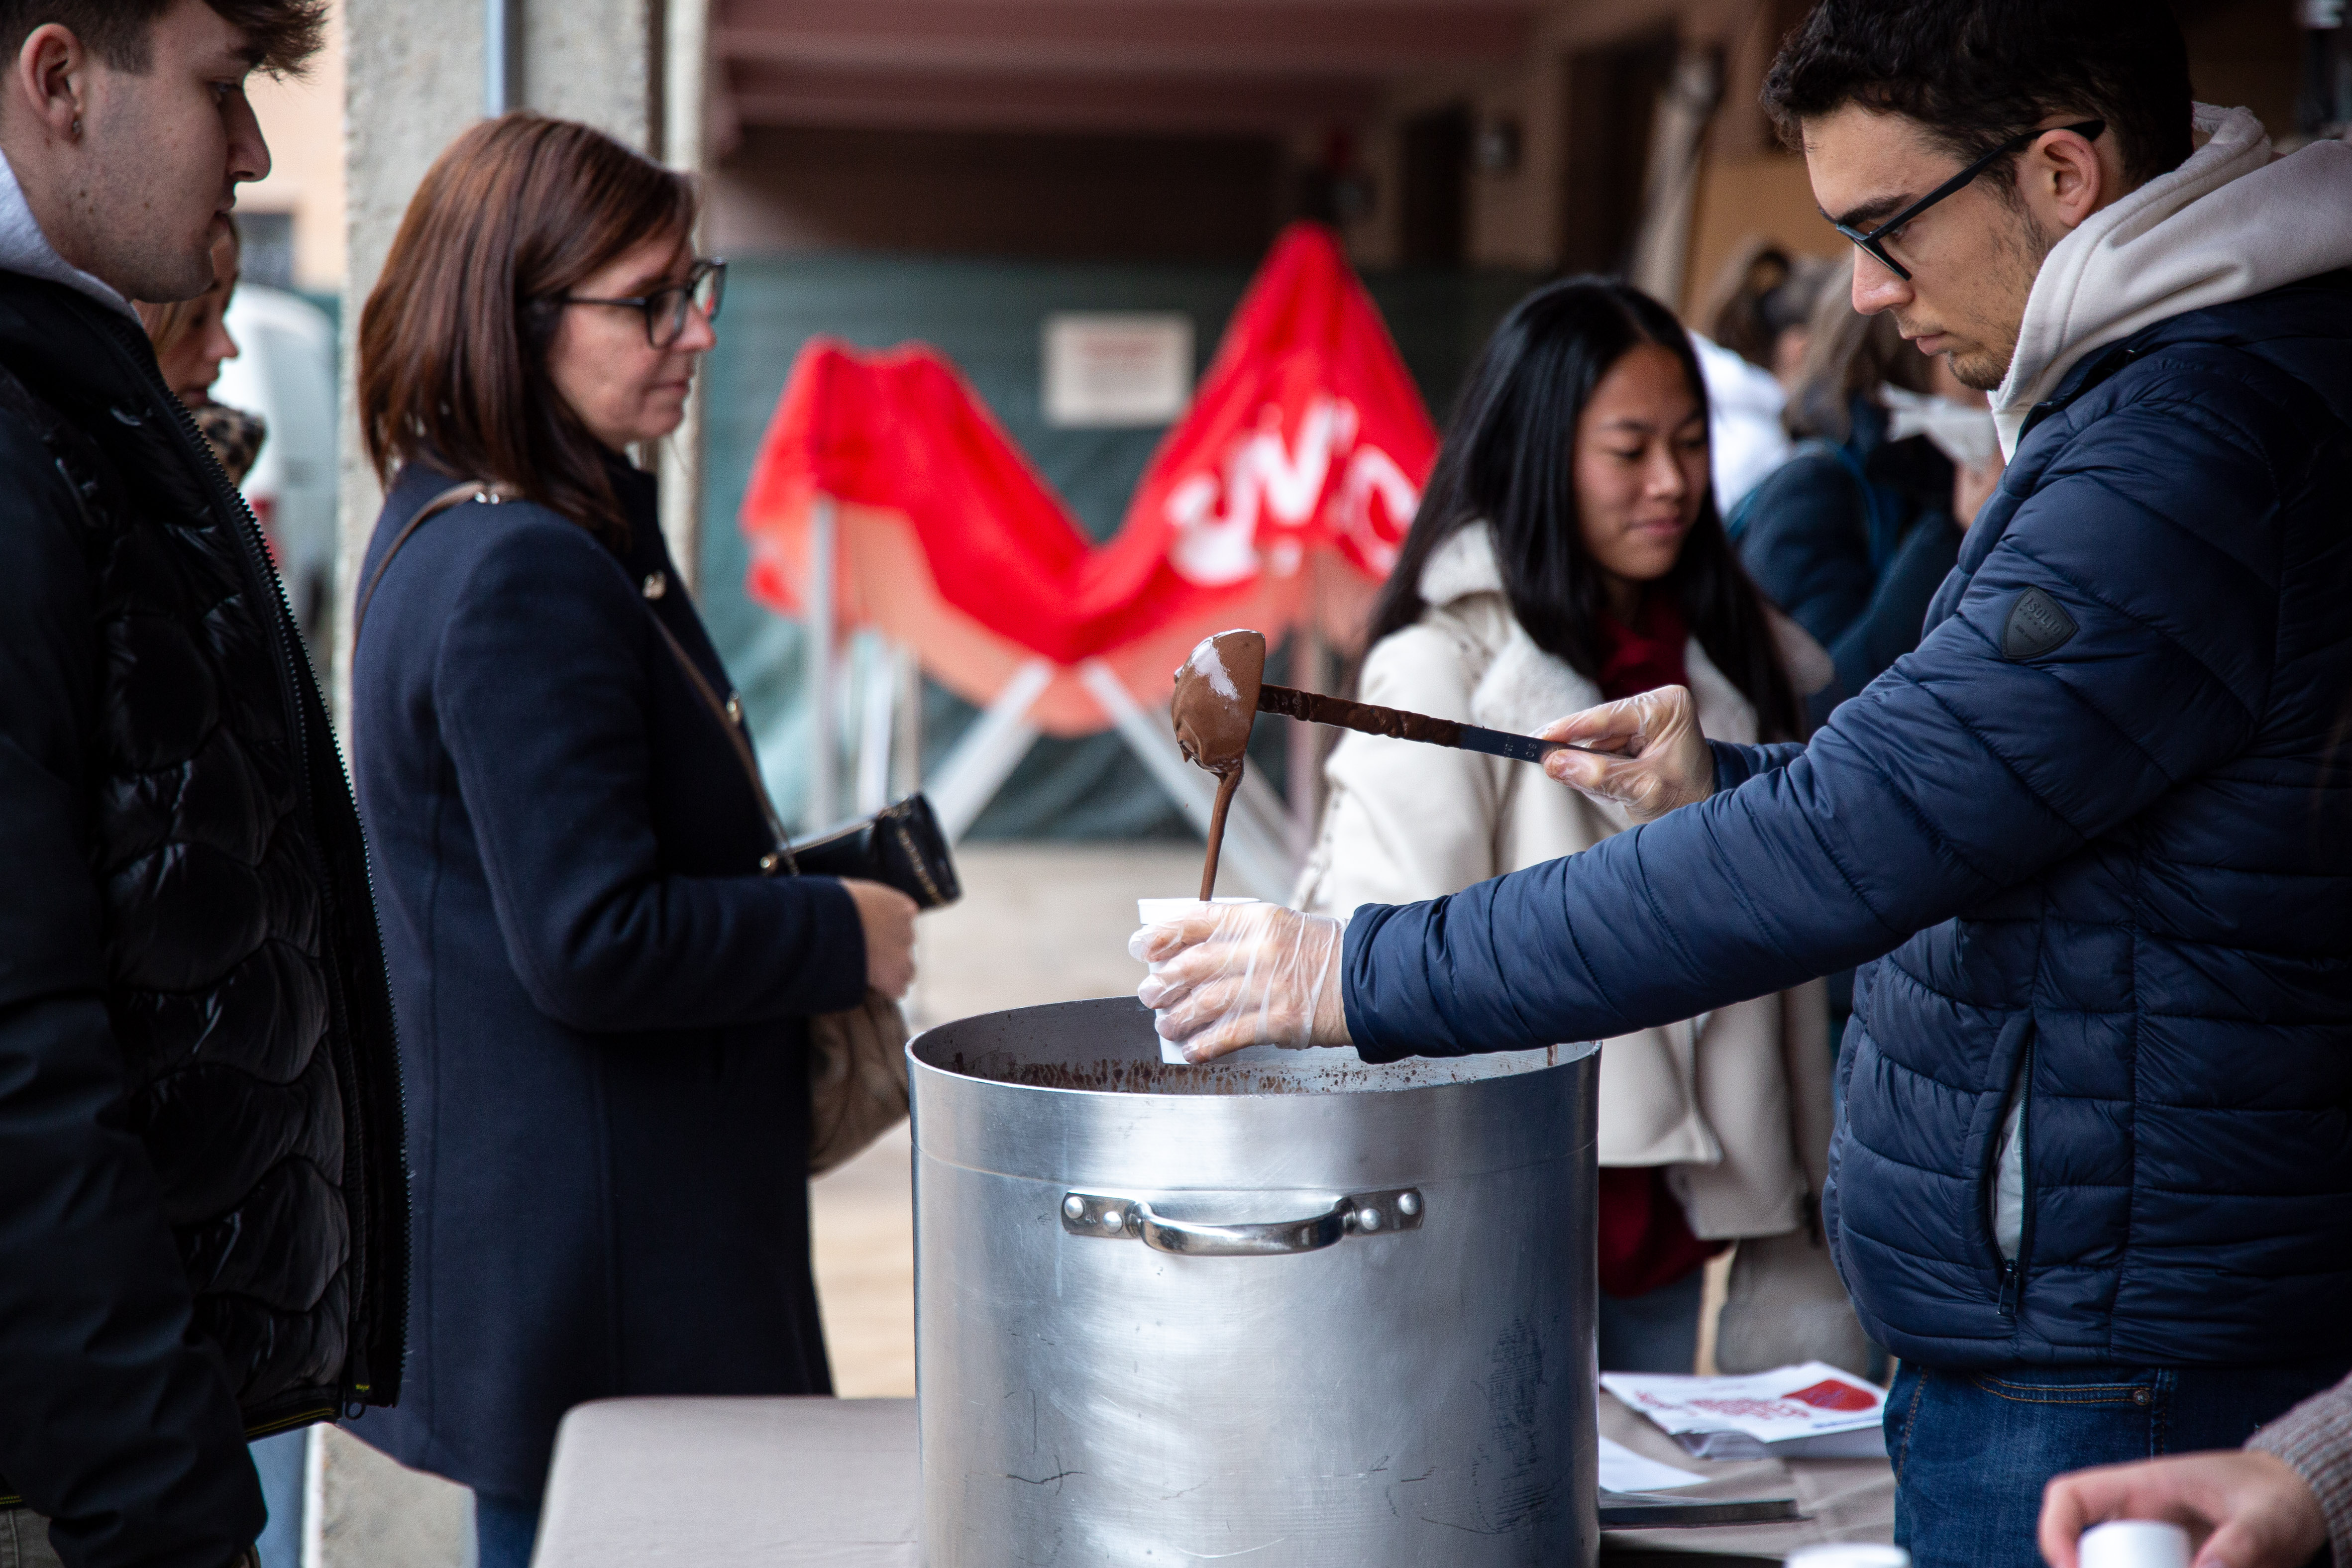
{"points": [[900, 846]]}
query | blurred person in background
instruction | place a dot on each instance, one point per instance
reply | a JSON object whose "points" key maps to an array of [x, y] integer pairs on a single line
{"points": [[192, 340], [604, 992], [1761, 307], [1566, 552], [202, 1209], [1749, 339], [1856, 532]]}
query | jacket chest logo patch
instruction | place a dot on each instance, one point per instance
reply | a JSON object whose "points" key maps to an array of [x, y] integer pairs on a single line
{"points": [[2036, 626]]}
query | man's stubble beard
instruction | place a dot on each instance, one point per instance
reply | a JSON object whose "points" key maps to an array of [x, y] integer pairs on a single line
{"points": [[2023, 250], [118, 181]]}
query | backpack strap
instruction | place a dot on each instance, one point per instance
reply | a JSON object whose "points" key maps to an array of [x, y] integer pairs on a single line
{"points": [[455, 496]]}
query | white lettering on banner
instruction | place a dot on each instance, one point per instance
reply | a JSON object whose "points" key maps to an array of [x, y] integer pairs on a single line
{"points": [[1373, 475], [1264, 477]]}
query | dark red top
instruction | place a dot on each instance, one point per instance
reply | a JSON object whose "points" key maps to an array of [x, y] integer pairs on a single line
{"points": [[1645, 1242]]}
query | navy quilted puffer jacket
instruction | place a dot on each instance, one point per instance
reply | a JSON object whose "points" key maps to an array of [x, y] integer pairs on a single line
{"points": [[2097, 833]]}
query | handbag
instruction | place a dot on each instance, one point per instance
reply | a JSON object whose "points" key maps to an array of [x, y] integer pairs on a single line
{"points": [[857, 1070], [899, 845]]}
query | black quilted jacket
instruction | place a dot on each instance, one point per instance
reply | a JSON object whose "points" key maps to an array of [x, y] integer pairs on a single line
{"points": [[203, 1201]]}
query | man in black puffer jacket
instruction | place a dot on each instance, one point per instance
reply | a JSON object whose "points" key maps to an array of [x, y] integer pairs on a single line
{"points": [[203, 1204]]}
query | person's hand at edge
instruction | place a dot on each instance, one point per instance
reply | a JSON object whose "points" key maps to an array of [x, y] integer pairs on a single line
{"points": [[2247, 1508], [1244, 974], [1656, 758], [1973, 483], [887, 916]]}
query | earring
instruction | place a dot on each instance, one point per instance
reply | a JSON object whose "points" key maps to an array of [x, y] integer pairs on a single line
{"points": [[77, 130]]}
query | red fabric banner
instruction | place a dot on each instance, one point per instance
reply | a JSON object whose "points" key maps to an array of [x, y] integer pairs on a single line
{"points": [[1284, 492]]}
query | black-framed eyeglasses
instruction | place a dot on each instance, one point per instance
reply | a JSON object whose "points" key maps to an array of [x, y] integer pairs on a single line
{"points": [[705, 288], [1875, 242]]}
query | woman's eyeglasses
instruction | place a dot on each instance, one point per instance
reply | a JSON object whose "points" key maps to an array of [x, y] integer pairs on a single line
{"points": [[664, 309], [1875, 240]]}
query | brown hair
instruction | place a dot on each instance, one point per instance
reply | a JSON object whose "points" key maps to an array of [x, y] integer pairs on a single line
{"points": [[168, 324], [1848, 353], [1761, 291], [283, 33], [454, 339]]}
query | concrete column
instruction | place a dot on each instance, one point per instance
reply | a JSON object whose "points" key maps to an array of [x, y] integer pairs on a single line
{"points": [[684, 143], [416, 75], [412, 78]]}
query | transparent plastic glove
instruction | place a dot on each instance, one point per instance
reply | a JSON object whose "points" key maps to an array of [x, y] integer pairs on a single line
{"points": [[1244, 974], [1657, 759]]}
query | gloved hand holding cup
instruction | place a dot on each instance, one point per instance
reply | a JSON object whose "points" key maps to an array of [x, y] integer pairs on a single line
{"points": [[1229, 976]]}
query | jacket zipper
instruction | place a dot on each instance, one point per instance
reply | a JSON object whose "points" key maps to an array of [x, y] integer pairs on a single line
{"points": [[294, 660], [2012, 1269]]}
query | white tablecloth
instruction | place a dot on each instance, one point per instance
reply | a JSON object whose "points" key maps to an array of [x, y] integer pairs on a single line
{"points": [[834, 1483], [717, 1483]]}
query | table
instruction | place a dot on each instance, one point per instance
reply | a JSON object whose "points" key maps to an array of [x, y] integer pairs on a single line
{"points": [[833, 1483]]}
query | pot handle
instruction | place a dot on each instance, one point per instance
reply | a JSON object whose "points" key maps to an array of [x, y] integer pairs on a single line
{"points": [[1111, 1218]]}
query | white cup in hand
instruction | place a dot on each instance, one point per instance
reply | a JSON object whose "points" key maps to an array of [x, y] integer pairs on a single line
{"points": [[1158, 912], [2134, 1543]]}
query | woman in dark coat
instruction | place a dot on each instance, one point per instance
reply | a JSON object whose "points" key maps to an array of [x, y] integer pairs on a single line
{"points": [[602, 998]]}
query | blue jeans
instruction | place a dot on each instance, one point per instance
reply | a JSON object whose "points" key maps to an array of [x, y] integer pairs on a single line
{"points": [[1973, 1449], [279, 1461]]}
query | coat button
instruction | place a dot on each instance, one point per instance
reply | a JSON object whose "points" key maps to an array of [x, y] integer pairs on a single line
{"points": [[656, 584], [734, 709], [769, 863]]}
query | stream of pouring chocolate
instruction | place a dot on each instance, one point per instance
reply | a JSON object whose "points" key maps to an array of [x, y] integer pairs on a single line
{"points": [[1215, 704]]}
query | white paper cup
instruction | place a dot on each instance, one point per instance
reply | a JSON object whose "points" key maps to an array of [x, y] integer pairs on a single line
{"points": [[2134, 1543], [1850, 1555], [1158, 912]]}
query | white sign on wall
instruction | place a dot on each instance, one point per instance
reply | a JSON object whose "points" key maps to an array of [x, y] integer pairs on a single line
{"points": [[1114, 369]]}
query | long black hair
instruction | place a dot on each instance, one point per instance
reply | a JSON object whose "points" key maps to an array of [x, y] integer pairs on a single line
{"points": [[1509, 460]]}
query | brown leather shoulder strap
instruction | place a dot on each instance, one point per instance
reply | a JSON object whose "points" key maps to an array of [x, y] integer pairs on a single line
{"points": [[728, 721], [455, 496]]}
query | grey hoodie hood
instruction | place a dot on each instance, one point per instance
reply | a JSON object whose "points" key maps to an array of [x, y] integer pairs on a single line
{"points": [[24, 248], [2231, 223]]}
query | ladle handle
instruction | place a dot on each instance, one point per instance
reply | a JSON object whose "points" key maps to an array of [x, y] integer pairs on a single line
{"points": [[1370, 718], [1120, 1219]]}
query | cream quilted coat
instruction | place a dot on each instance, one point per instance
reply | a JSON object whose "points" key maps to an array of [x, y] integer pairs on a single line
{"points": [[1734, 1103]]}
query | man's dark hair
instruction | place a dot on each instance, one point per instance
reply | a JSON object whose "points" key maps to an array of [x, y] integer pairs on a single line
{"points": [[284, 34], [1977, 72]]}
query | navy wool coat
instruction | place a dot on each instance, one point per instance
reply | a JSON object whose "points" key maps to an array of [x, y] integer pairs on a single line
{"points": [[2096, 832], [601, 1003]]}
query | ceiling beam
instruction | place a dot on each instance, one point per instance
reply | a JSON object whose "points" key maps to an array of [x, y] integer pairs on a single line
{"points": [[1297, 38], [1145, 105]]}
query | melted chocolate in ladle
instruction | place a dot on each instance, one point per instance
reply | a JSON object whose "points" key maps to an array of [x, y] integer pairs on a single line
{"points": [[1216, 701], [1221, 688]]}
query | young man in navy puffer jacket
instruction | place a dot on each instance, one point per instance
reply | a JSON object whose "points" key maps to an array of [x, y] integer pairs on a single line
{"points": [[2092, 839]]}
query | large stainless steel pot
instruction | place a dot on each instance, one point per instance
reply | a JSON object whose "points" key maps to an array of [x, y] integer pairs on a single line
{"points": [[1293, 1309]]}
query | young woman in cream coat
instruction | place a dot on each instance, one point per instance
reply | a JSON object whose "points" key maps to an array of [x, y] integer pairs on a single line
{"points": [[1567, 552]]}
